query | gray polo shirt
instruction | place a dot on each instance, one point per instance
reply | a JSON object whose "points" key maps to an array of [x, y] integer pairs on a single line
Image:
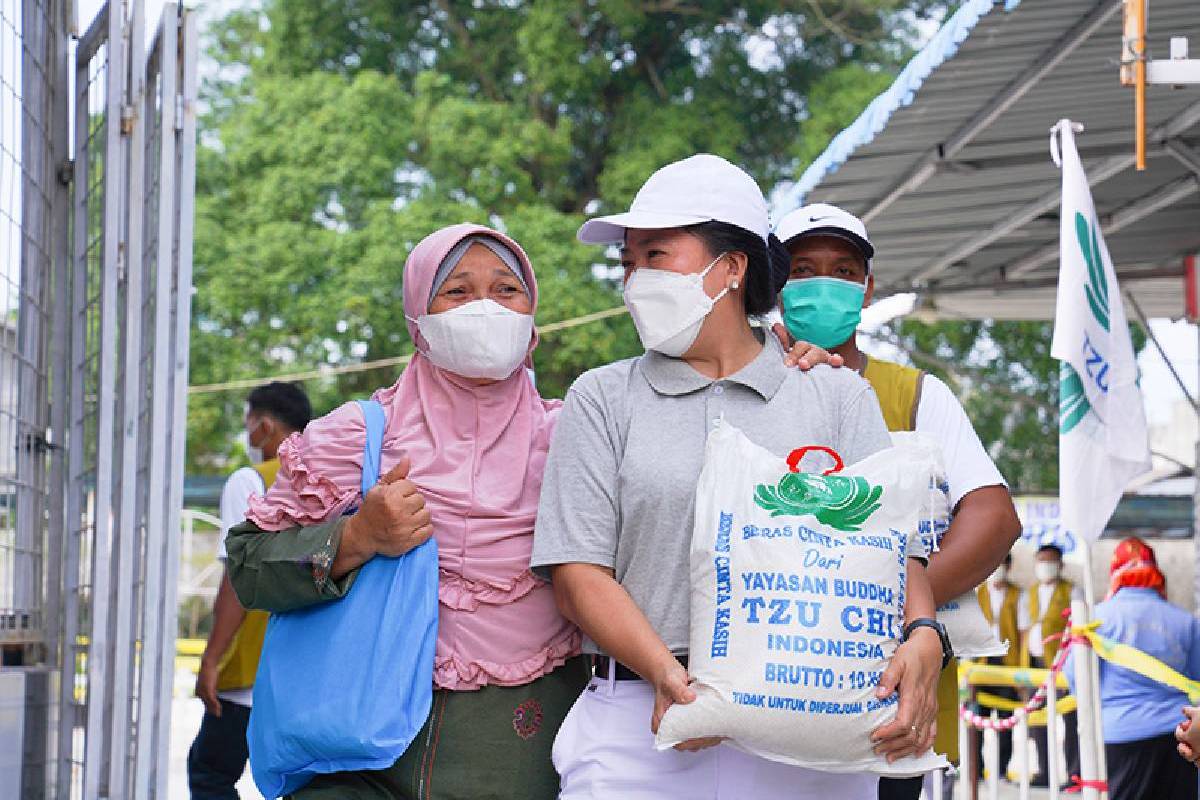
{"points": [[620, 480]]}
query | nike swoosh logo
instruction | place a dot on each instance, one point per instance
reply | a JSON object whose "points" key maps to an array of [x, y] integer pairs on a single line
{"points": [[818, 219]]}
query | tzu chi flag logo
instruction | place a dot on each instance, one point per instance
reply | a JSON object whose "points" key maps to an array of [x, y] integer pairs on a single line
{"points": [[1073, 405], [1102, 425]]}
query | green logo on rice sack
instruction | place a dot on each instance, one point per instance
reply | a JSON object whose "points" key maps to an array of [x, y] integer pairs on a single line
{"points": [[843, 503]]}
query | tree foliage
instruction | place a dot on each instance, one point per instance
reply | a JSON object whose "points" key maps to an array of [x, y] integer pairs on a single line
{"points": [[1008, 384], [339, 132]]}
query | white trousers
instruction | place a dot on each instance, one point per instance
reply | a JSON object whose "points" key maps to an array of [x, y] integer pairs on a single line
{"points": [[604, 750]]}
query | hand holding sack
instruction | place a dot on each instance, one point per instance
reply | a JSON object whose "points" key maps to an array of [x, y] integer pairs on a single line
{"points": [[962, 617], [798, 584]]}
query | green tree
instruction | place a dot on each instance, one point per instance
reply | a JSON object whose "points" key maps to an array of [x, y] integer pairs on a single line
{"points": [[339, 132], [1008, 384]]}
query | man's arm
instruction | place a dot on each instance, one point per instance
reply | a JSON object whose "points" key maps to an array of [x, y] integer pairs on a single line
{"points": [[981, 534], [227, 611], [227, 618]]}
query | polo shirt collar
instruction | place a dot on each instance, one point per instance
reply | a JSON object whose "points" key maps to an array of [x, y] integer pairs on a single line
{"points": [[674, 376]]}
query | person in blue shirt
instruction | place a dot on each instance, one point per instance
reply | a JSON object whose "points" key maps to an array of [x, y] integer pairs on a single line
{"points": [[1140, 715]]}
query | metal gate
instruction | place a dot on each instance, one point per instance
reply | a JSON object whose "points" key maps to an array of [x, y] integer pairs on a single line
{"points": [[93, 380], [33, 202]]}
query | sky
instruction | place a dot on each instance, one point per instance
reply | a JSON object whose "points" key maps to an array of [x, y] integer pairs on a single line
{"points": [[1160, 391]]}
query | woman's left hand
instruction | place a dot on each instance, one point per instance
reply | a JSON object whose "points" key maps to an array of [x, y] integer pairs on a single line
{"points": [[803, 354], [913, 671]]}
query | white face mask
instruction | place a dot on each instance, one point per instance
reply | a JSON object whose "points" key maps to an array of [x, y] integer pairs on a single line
{"points": [[668, 308], [480, 339], [1000, 575], [1046, 571], [255, 454]]}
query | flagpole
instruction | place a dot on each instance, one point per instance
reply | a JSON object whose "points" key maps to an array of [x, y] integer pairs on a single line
{"points": [[1094, 662], [1089, 721], [1097, 457]]}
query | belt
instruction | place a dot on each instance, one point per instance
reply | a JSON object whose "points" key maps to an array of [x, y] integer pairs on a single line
{"points": [[622, 672]]}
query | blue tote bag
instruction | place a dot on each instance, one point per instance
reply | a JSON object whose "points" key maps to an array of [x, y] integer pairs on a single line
{"points": [[346, 685]]}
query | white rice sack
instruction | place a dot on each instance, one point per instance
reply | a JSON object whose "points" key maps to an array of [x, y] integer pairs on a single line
{"points": [[797, 604], [968, 629]]}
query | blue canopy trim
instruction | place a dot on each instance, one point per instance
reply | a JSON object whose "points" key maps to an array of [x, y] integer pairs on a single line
{"points": [[874, 118]]}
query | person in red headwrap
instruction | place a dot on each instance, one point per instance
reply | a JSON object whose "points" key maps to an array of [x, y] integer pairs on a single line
{"points": [[1134, 565], [1138, 713]]}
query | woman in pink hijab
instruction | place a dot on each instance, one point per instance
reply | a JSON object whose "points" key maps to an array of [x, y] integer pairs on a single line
{"points": [[463, 453]]}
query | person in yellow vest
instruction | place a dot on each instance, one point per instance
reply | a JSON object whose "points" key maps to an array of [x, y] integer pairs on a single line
{"points": [[1002, 605], [829, 285], [225, 682], [1047, 599]]}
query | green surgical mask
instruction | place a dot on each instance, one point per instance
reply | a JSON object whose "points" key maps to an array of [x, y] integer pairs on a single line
{"points": [[822, 311]]}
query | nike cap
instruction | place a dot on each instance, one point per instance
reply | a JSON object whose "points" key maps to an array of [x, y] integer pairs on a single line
{"points": [[825, 220], [702, 188]]}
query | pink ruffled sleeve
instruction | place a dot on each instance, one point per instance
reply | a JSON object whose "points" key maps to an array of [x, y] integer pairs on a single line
{"points": [[320, 473]]}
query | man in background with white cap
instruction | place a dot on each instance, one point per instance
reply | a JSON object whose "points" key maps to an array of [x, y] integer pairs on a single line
{"points": [[829, 284]]}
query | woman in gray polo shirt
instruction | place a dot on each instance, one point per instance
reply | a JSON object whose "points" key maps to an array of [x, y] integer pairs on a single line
{"points": [[615, 518]]}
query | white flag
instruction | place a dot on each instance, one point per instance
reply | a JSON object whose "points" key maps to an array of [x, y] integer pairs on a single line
{"points": [[1102, 426]]}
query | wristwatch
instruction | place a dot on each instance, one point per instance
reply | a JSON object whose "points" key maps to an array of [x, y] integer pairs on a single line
{"points": [[939, 628]]}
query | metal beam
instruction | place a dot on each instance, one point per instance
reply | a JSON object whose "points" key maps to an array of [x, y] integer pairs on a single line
{"points": [[1161, 352], [1184, 154], [1097, 173], [1123, 217], [1041, 282], [1013, 91], [971, 166]]}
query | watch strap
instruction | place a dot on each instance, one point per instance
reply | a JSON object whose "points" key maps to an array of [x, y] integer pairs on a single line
{"points": [[936, 627]]}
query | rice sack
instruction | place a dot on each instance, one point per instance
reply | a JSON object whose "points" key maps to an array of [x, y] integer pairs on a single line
{"points": [[968, 629], [797, 603]]}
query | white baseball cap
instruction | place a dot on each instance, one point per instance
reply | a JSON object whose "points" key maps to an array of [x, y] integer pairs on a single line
{"points": [[826, 220], [703, 188]]}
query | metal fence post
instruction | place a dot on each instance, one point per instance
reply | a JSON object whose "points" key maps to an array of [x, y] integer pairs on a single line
{"points": [[97, 747], [160, 99], [185, 176]]}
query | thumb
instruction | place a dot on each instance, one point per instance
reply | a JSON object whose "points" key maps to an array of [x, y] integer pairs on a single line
{"points": [[890, 680], [681, 692], [398, 472]]}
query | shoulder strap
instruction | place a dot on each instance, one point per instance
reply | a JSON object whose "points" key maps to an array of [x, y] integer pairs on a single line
{"points": [[898, 389], [373, 416], [985, 602], [916, 402]]}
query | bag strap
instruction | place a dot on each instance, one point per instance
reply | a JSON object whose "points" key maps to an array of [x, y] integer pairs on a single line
{"points": [[375, 421]]}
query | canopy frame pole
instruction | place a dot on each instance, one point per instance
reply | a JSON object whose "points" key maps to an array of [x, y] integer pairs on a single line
{"points": [[1137, 309], [1133, 72], [1097, 173], [1196, 508]]}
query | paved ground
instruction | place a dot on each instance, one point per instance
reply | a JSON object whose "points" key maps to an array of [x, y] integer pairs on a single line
{"points": [[186, 712]]}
